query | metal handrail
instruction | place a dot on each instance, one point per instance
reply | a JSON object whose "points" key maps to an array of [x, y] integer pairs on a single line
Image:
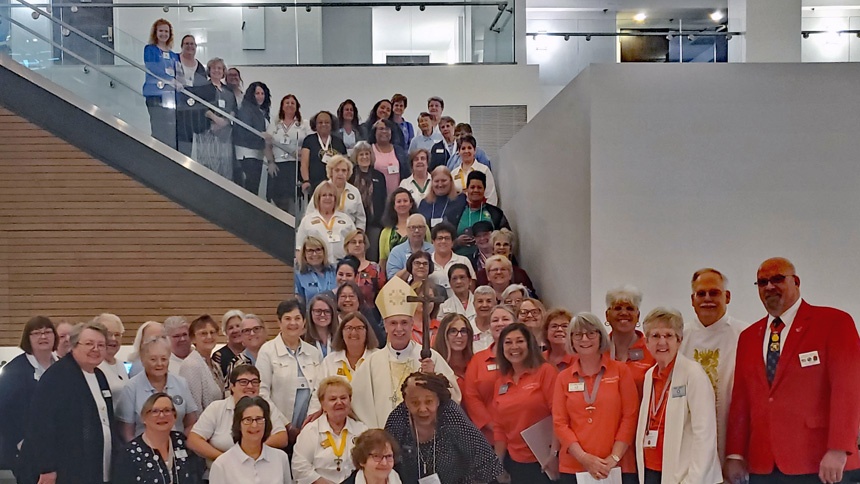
{"points": [[663, 33], [134, 64], [395, 4]]}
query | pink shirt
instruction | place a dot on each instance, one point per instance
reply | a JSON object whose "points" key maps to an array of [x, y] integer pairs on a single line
{"points": [[383, 162]]}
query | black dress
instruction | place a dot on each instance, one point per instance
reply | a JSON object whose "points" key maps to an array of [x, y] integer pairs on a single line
{"points": [[17, 386], [316, 168], [459, 453], [138, 463]]}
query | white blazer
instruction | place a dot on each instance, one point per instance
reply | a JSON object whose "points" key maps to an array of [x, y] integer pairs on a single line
{"points": [[690, 442]]}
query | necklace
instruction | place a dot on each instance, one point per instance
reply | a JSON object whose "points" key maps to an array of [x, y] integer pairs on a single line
{"points": [[337, 449]]}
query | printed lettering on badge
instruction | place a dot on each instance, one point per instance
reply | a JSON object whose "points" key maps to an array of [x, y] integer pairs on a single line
{"points": [[809, 359]]}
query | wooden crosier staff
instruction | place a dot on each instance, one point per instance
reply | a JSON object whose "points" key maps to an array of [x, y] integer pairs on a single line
{"points": [[426, 298]]}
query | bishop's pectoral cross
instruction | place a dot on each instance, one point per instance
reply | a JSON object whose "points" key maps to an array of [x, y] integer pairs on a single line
{"points": [[425, 299]]}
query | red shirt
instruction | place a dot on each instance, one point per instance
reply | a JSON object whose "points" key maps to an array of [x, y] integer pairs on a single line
{"points": [[565, 362], [657, 417], [418, 331], [478, 387], [639, 360], [613, 418], [518, 406]]}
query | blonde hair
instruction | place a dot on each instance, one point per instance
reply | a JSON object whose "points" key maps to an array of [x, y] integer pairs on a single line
{"points": [[313, 243], [336, 161], [326, 185], [442, 171]]}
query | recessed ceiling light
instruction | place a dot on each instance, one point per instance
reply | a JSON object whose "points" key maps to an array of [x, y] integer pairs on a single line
{"points": [[639, 17], [717, 16]]}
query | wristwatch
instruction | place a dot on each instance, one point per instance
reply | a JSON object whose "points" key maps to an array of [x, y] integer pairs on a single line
{"points": [[617, 459]]}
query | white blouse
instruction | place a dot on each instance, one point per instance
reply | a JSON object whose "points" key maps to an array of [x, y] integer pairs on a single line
{"points": [[237, 467], [291, 136], [202, 381], [339, 226], [337, 364], [350, 204], [279, 375], [313, 456], [415, 188], [215, 424], [461, 176]]}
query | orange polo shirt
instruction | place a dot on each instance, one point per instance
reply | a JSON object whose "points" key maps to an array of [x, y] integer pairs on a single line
{"points": [[613, 418], [478, 388], [521, 405], [564, 363], [639, 365], [654, 456], [418, 331]]}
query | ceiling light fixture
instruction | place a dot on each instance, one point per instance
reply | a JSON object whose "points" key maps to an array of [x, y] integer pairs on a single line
{"points": [[717, 16], [640, 17]]}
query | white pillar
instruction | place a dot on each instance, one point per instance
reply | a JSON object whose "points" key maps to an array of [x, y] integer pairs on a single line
{"points": [[772, 30], [520, 32]]}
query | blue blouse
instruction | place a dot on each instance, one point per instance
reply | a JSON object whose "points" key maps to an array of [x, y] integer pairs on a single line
{"points": [[309, 284], [163, 64]]}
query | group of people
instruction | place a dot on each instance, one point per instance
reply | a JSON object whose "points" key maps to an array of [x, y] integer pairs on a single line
{"points": [[508, 392], [193, 107]]}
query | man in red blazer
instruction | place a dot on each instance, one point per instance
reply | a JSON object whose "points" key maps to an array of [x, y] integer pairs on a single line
{"points": [[795, 410]]}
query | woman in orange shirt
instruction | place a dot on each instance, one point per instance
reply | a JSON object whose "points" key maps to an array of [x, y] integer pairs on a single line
{"points": [[627, 345], [555, 328], [481, 375], [595, 406], [522, 398]]}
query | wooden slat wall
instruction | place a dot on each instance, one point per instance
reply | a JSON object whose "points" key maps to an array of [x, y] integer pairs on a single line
{"points": [[78, 238]]}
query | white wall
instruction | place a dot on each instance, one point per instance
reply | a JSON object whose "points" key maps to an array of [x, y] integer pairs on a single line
{"points": [[692, 166]]}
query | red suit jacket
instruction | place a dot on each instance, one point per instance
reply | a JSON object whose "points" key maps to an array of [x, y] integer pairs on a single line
{"points": [[808, 409]]}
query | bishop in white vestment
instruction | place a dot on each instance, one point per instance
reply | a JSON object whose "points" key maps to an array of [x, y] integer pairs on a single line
{"points": [[376, 383]]}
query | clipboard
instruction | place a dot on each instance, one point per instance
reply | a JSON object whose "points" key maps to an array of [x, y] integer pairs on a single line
{"points": [[539, 439]]}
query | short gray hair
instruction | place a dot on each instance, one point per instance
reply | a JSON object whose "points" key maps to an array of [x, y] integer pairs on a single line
{"points": [[707, 270], [584, 322], [514, 288], [233, 313], [75, 333], [105, 318], [504, 261], [669, 316], [147, 346], [173, 323], [485, 290], [625, 293], [255, 317]]}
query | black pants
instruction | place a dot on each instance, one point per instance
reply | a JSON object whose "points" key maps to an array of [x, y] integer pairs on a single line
{"points": [[777, 477], [626, 478], [162, 121], [652, 477], [525, 473], [282, 187], [253, 169]]}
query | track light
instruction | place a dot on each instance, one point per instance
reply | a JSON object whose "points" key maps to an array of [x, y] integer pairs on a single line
{"points": [[422, 7], [397, 7], [190, 9], [805, 35], [308, 8], [588, 38], [566, 37], [165, 9], [283, 8]]}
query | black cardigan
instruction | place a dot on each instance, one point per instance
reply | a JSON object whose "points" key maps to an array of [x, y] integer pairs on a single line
{"points": [[64, 434], [380, 194], [17, 386], [253, 116]]}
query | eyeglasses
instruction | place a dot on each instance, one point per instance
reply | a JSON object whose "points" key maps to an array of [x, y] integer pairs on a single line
{"points": [[534, 313], [116, 335], [556, 327], [318, 250], [497, 270], [775, 280], [320, 312], [444, 238], [346, 295], [457, 332], [354, 329], [417, 227], [92, 344], [591, 334], [161, 411], [713, 292], [243, 382], [39, 333], [421, 263], [666, 336], [381, 457], [254, 420], [254, 330]]}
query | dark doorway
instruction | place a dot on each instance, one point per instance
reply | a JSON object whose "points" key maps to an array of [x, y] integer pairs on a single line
{"points": [[95, 19]]}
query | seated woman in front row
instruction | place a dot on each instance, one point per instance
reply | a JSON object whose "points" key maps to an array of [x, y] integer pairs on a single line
{"points": [[249, 461], [436, 437], [159, 454]]}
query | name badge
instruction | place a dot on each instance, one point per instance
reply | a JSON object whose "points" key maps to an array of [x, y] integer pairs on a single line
{"points": [[492, 367], [431, 479], [181, 454], [576, 387], [166, 55], [809, 359], [106, 393], [392, 169], [435, 221], [440, 150], [503, 389], [222, 103], [679, 391], [635, 354], [651, 439], [333, 237]]}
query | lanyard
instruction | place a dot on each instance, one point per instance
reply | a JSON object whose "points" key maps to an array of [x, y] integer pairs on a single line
{"points": [[338, 450], [330, 224], [342, 200], [480, 214], [324, 146], [346, 371], [591, 397], [418, 451], [462, 177], [653, 411], [433, 209], [421, 190]]}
